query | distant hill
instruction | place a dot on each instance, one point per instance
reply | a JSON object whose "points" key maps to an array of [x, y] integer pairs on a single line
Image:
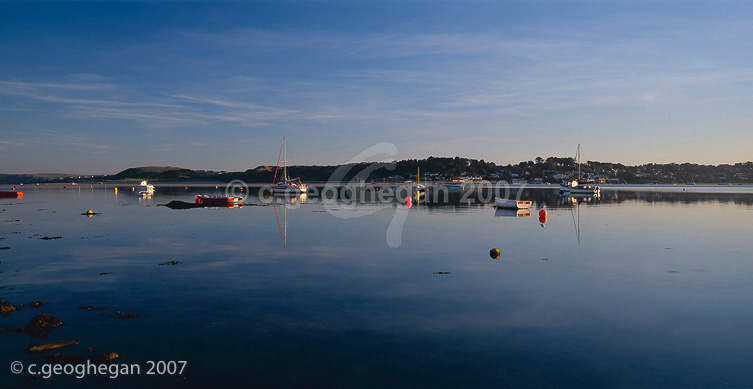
{"points": [[159, 173], [36, 177], [549, 170]]}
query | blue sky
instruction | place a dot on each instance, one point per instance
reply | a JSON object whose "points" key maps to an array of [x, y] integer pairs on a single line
{"points": [[97, 87]]}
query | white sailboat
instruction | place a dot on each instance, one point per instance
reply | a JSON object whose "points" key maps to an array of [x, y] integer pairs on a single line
{"points": [[145, 189], [286, 186], [588, 187]]}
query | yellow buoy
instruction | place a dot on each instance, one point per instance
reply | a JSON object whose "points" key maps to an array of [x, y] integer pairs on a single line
{"points": [[116, 190], [494, 253]]}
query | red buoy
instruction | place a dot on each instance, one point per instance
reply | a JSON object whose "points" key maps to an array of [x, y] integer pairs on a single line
{"points": [[542, 216]]}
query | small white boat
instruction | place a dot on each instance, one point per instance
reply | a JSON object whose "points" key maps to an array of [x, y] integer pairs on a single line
{"points": [[145, 189], [512, 204]]}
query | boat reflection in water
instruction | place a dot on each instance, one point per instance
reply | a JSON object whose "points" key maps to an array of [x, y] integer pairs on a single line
{"points": [[512, 212], [575, 200], [285, 202]]}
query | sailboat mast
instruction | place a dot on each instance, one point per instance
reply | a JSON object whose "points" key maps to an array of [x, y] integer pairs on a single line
{"points": [[285, 160], [578, 162]]}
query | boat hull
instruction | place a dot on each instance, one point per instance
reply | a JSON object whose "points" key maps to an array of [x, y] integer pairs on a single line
{"points": [[585, 191], [512, 204], [580, 188], [217, 200], [288, 190], [11, 195]]}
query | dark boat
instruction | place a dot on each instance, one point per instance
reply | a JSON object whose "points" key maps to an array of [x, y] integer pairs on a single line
{"points": [[11, 195], [217, 200]]}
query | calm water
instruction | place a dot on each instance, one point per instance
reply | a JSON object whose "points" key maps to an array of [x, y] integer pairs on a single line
{"points": [[641, 288]]}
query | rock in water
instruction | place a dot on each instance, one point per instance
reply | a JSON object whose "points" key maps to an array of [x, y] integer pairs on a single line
{"points": [[40, 326], [104, 358], [6, 308], [47, 347], [36, 303]]}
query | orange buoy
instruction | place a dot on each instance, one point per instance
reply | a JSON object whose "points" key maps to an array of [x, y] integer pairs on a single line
{"points": [[494, 253]]}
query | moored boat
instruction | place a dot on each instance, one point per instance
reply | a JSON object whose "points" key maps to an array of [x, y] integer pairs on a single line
{"points": [[287, 186], [218, 200], [145, 189], [512, 204], [575, 186], [11, 195]]}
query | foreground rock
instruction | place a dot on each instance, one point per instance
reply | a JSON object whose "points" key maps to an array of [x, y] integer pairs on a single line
{"points": [[36, 303], [47, 347], [105, 358], [7, 308], [40, 326]]}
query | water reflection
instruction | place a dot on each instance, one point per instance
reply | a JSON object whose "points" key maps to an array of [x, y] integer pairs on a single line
{"points": [[512, 212], [660, 298], [285, 201]]}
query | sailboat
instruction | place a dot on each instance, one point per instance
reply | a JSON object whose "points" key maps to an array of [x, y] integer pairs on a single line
{"points": [[420, 188], [588, 187], [286, 186], [145, 189]]}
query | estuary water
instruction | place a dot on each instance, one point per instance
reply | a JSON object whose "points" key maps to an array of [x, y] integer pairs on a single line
{"points": [[642, 287]]}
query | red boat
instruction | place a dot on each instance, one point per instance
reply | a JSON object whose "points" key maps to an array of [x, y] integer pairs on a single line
{"points": [[11, 195], [217, 200]]}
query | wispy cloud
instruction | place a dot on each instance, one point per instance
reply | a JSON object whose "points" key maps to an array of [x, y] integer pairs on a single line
{"points": [[111, 101]]}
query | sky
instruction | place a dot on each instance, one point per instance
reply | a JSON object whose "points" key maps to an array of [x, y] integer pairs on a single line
{"points": [[98, 87]]}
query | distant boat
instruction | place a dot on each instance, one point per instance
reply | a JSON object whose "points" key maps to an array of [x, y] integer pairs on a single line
{"points": [[587, 187], [217, 200], [512, 204], [453, 187], [11, 195], [285, 186], [145, 189], [582, 188], [420, 189]]}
